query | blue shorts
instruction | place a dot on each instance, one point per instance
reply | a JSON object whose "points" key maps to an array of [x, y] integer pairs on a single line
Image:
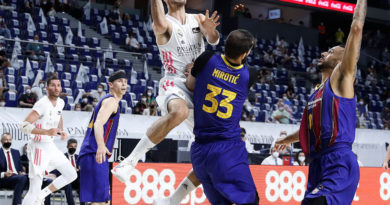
{"points": [[334, 175], [94, 179], [222, 168]]}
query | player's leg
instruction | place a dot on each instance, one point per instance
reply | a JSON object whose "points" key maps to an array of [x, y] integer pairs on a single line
{"points": [[177, 113], [68, 174], [33, 191]]}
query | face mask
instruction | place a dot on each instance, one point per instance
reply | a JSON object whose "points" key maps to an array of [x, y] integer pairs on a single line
{"points": [[28, 91], [253, 118], [78, 109], [71, 150], [85, 100], [281, 109], [35, 41], [41, 85], [149, 94], [94, 104], [7, 145], [275, 154], [361, 103], [2, 104], [143, 99], [301, 158], [285, 98], [100, 90]]}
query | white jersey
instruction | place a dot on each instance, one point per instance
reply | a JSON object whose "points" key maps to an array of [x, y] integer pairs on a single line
{"points": [[184, 46], [49, 117]]}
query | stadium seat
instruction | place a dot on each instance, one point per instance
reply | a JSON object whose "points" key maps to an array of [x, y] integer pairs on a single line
{"points": [[11, 99]]}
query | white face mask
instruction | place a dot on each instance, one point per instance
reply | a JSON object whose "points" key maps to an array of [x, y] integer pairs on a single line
{"points": [[41, 85], [85, 100], [281, 109], [78, 109], [2, 104], [361, 102], [28, 91], [149, 94], [301, 158], [100, 90], [275, 154], [143, 99], [94, 104]]}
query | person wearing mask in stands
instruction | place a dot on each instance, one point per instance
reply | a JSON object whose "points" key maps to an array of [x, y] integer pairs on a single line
{"points": [[99, 93], [300, 159], [273, 159], [28, 99]]}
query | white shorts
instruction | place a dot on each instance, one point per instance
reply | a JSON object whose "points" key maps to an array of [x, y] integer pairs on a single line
{"points": [[174, 88], [44, 156]]}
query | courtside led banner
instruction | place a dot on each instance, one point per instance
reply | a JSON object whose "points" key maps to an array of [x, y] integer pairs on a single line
{"points": [[275, 185], [326, 4]]}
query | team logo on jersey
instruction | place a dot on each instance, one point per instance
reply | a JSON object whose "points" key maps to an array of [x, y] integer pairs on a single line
{"points": [[180, 36], [196, 30]]}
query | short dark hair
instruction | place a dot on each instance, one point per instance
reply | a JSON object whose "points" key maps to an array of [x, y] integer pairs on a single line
{"points": [[238, 42], [71, 141], [49, 79], [243, 130]]}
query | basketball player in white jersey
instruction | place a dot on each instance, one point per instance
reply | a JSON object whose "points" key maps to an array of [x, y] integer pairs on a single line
{"points": [[179, 37], [43, 123]]}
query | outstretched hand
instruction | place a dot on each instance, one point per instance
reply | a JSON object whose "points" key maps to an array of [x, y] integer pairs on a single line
{"points": [[208, 23], [281, 143]]}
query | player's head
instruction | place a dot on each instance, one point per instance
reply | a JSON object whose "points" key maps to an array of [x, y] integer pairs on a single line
{"points": [[331, 58], [53, 86], [174, 4], [118, 82], [238, 44]]}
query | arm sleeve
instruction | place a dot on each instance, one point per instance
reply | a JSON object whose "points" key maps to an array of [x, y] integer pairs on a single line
{"points": [[201, 62], [39, 107], [252, 76]]}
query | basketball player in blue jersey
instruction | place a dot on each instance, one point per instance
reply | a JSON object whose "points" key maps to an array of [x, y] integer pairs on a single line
{"points": [[99, 141], [219, 157], [327, 129]]}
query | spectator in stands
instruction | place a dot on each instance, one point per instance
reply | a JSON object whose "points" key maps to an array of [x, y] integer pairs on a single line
{"points": [[362, 108], [28, 98], [99, 93], [282, 43], [27, 8], [77, 107], [86, 103], [46, 5], [386, 118], [114, 17], [312, 72], [12, 174], [142, 105], [132, 43], [286, 101], [385, 55], [149, 96], [281, 115], [4, 31], [151, 110], [269, 77], [339, 36], [35, 50], [300, 159], [261, 76], [40, 89], [70, 154], [4, 63], [291, 93], [371, 77], [273, 159], [52, 11]]}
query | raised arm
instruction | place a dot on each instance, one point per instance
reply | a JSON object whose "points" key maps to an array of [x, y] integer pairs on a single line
{"points": [[107, 108], [344, 74], [208, 25], [160, 23]]}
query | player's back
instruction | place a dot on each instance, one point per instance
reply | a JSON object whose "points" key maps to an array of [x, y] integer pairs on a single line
{"points": [[110, 127], [331, 120], [184, 46], [219, 95]]}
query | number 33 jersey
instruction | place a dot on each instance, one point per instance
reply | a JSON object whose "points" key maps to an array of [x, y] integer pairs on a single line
{"points": [[220, 91]]}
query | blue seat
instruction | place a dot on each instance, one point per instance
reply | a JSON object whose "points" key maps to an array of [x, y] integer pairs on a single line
{"points": [[11, 99]]}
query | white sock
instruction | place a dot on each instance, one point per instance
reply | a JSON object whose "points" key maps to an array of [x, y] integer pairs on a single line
{"points": [[143, 146], [44, 193], [184, 188]]}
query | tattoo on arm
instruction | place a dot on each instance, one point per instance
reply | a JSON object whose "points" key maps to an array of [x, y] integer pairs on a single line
{"points": [[360, 11]]}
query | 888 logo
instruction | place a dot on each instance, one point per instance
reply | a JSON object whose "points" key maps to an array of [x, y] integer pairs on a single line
{"points": [[285, 186], [150, 184]]}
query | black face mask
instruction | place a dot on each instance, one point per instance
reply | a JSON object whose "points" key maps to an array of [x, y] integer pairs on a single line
{"points": [[7, 145], [71, 150]]}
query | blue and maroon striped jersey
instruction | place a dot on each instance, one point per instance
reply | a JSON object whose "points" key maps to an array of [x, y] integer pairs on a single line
{"points": [[328, 119], [89, 145]]}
